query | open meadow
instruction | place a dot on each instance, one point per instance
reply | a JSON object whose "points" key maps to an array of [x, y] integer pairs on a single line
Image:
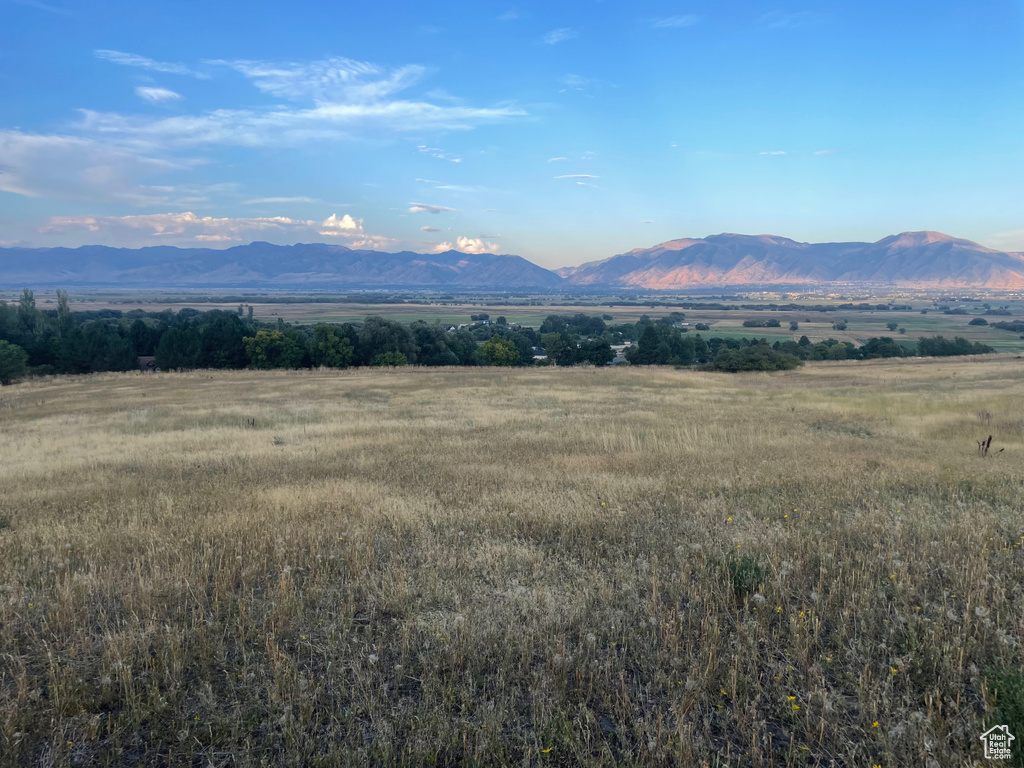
{"points": [[521, 567]]}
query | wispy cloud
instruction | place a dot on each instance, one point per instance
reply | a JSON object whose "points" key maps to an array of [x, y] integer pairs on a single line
{"points": [[790, 19], [440, 154], [556, 36], [675, 22], [510, 15], [346, 100], [431, 229], [330, 80], [75, 168], [776, 152], [274, 200], [188, 228], [826, 151], [134, 60], [427, 208], [558, 159], [577, 176], [157, 95], [42, 7], [176, 224]]}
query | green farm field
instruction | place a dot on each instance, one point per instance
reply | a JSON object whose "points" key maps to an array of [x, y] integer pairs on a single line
{"points": [[520, 567]]}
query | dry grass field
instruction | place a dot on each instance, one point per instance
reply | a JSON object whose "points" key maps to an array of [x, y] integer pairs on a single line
{"points": [[608, 567]]}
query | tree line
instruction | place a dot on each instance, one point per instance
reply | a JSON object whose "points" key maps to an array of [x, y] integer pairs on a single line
{"points": [[60, 341]]}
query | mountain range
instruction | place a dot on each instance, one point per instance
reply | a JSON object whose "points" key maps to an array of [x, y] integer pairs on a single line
{"points": [[912, 259]]}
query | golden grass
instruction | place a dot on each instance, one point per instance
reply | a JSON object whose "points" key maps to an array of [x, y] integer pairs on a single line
{"points": [[527, 567]]}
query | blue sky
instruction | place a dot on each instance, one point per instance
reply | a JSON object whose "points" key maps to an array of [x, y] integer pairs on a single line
{"points": [[562, 132]]}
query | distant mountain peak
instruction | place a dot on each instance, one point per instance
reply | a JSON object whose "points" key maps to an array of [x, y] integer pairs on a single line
{"points": [[912, 259]]}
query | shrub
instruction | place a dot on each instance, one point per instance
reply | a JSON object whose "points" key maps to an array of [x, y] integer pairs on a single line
{"points": [[746, 574], [978, 321], [940, 346], [755, 358], [389, 360]]}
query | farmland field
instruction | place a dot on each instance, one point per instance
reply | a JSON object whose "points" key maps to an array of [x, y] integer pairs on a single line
{"points": [[628, 566]]}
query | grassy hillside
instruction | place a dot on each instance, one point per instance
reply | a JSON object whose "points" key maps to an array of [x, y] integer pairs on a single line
{"points": [[527, 567]]}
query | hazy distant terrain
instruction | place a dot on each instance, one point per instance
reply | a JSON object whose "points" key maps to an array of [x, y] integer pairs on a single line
{"points": [[313, 265], [912, 259]]}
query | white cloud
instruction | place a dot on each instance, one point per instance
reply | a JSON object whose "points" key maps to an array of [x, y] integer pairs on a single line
{"points": [[575, 81], [440, 154], [283, 126], [271, 200], [157, 95], [577, 176], [510, 15], [474, 245], [430, 229], [134, 60], [346, 226], [826, 151], [558, 159], [188, 229], [775, 152], [675, 22], [427, 208], [427, 181], [330, 80], [466, 245], [559, 35], [341, 99], [73, 168], [178, 225]]}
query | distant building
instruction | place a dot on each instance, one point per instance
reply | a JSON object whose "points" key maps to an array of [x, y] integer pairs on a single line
{"points": [[146, 363]]}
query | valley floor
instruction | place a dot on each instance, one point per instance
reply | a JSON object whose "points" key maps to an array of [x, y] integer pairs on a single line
{"points": [[513, 567]]}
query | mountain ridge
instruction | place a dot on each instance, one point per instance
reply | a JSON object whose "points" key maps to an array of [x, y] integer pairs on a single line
{"points": [[924, 259]]}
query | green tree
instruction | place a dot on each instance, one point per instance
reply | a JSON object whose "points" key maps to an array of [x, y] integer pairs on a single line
{"points": [[64, 321], [500, 320], [27, 311], [892, 326], [379, 335], [329, 348], [13, 361], [499, 351], [794, 325], [560, 347], [389, 360], [273, 349]]}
